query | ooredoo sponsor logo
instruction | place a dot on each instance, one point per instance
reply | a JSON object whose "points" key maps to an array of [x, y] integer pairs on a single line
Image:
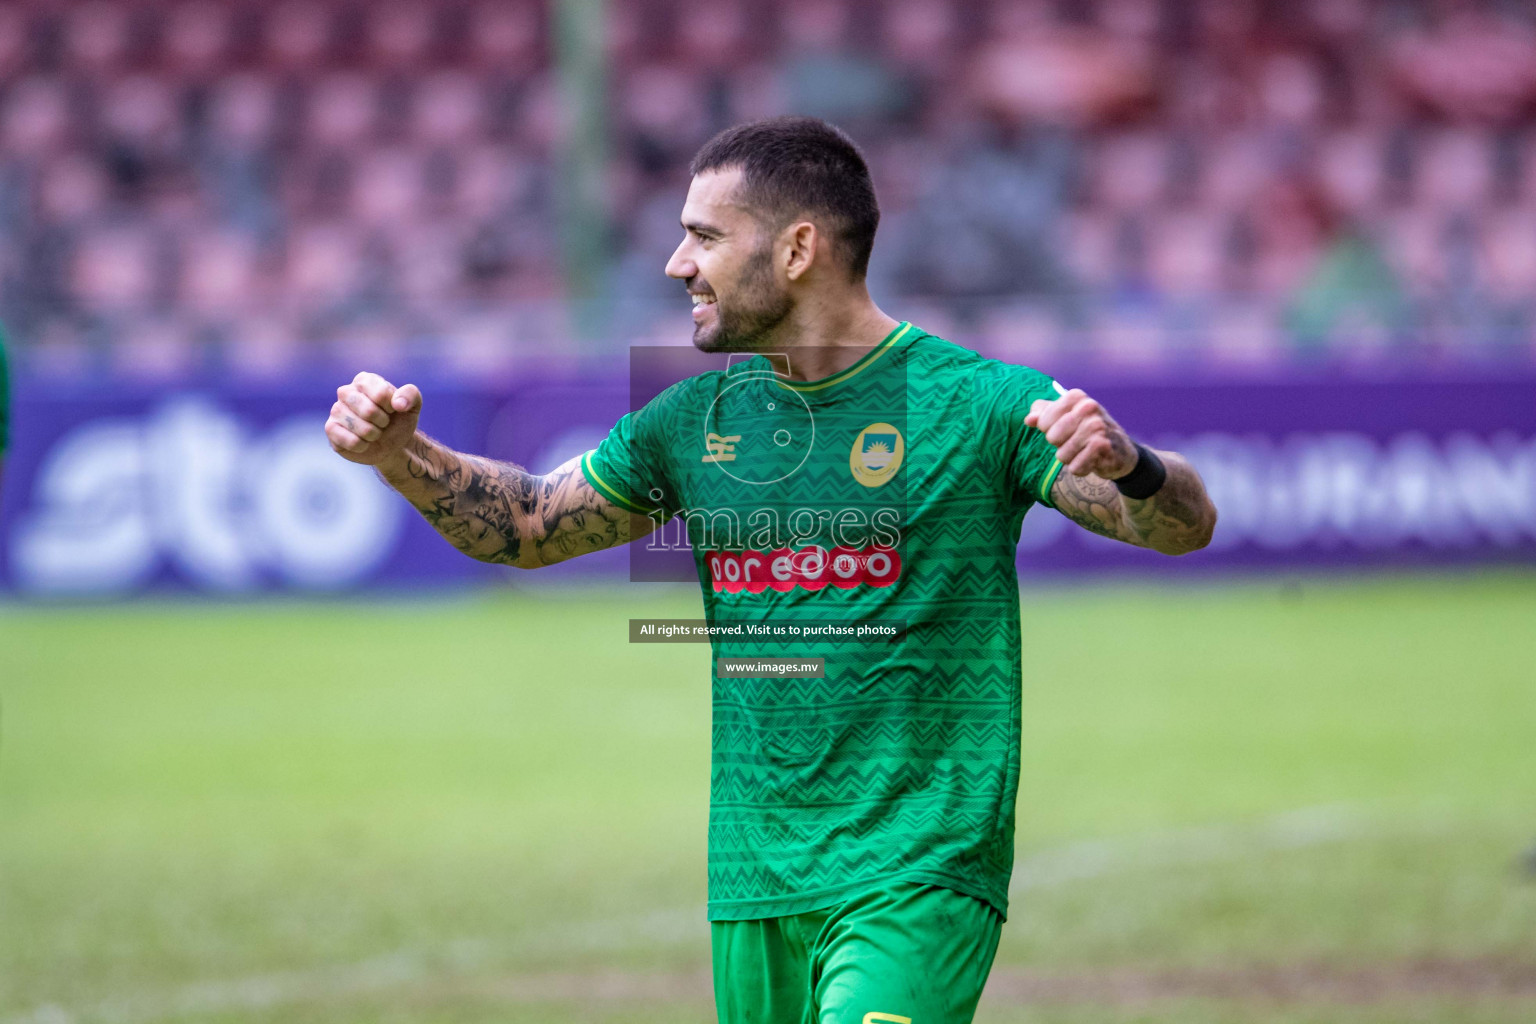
{"points": [[809, 568]]}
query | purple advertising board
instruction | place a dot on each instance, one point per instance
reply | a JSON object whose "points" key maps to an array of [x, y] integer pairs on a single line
{"points": [[112, 492], [109, 492], [1332, 471]]}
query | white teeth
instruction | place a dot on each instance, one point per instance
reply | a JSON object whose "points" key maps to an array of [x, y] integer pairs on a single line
{"points": [[703, 300]]}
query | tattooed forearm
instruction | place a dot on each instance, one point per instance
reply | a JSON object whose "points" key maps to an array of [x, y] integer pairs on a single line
{"points": [[1176, 520], [1179, 518], [498, 512], [1093, 504]]}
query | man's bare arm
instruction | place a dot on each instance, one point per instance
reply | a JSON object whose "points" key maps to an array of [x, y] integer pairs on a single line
{"points": [[492, 511], [1176, 520], [1095, 452], [499, 512]]}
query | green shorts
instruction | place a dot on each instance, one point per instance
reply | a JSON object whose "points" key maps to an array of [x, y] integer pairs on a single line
{"points": [[904, 953]]}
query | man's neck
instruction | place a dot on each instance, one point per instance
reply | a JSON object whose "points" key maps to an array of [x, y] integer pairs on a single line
{"points": [[824, 338]]}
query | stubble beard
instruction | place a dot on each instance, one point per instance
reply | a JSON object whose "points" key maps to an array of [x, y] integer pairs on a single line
{"points": [[760, 307]]}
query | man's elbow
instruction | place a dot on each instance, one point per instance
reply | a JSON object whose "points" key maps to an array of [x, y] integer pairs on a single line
{"points": [[502, 560], [520, 560], [1197, 537], [493, 554]]}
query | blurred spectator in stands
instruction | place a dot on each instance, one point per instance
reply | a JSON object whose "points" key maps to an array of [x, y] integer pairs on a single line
{"points": [[298, 35], [1471, 60], [141, 132], [985, 227], [221, 280], [36, 119], [1507, 270], [34, 132], [922, 42], [824, 75], [1036, 67], [402, 36], [1324, 267], [1352, 287], [154, 347], [715, 41], [628, 33], [449, 111], [505, 36], [1455, 175], [390, 185], [1292, 225], [643, 293], [15, 41], [235, 153], [96, 38], [70, 195], [196, 39], [325, 274], [118, 276], [664, 118], [1189, 259], [343, 112]]}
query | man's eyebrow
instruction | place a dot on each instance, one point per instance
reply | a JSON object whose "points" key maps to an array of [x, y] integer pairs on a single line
{"points": [[700, 228]]}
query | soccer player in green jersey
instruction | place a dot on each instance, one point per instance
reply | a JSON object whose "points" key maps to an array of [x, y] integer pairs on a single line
{"points": [[851, 468]]}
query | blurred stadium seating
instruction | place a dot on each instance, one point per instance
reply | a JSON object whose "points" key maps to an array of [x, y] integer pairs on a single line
{"points": [[199, 184]]}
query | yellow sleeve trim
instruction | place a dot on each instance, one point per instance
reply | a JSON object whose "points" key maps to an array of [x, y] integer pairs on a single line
{"points": [[607, 490], [1050, 478]]}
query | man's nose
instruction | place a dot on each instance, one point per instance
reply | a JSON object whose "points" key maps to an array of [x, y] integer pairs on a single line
{"points": [[681, 267]]}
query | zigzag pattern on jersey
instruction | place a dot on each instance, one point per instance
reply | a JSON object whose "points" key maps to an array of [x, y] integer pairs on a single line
{"points": [[926, 651], [961, 683], [932, 640], [894, 737], [851, 784], [750, 834], [936, 578], [780, 756], [923, 697], [788, 875]]}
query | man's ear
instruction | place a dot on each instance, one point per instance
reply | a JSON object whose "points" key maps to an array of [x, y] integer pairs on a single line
{"points": [[799, 243]]}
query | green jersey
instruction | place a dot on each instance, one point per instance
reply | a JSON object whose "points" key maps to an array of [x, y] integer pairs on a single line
{"points": [[890, 492]]}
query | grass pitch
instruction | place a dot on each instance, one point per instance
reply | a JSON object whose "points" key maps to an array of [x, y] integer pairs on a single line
{"points": [[1299, 802]]}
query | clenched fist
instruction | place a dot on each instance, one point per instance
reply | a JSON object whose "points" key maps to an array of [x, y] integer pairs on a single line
{"points": [[372, 420], [1087, 440]]}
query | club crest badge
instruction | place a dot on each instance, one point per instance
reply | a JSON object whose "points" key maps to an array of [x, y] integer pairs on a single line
{"points": [[877, 454]]}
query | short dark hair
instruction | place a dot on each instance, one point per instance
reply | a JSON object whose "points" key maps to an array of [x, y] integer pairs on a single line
{"points": [[801, 165]]}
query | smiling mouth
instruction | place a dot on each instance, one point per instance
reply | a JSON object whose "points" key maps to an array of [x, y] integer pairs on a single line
{"points": [[702, 299]]}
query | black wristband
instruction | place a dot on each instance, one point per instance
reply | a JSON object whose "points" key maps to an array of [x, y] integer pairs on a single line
{"points": [[1146, 479]]}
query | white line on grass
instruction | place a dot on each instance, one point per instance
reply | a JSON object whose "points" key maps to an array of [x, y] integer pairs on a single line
{"points": [[1175, 847], [681, 926]]}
